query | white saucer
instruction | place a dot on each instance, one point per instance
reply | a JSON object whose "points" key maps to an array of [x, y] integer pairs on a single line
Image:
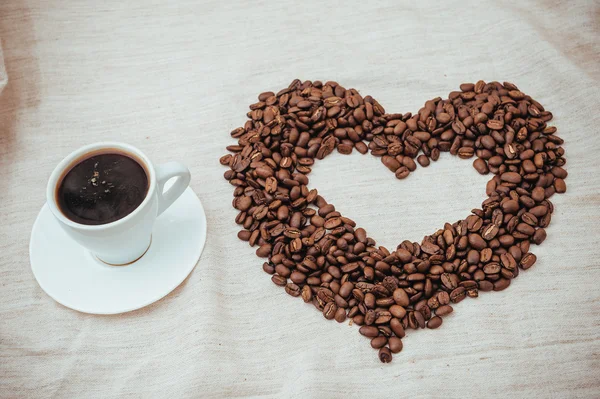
{"points": [[75, 278]]}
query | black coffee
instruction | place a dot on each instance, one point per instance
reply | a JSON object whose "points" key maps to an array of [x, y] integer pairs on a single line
{"points": [[102, 188]]}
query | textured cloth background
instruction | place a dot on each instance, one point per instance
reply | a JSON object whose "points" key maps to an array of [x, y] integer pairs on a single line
{"points": [[175, 77], [3, 77]]}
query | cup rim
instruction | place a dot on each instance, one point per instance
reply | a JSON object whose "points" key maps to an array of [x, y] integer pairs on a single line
{"points": [[67, 161]]}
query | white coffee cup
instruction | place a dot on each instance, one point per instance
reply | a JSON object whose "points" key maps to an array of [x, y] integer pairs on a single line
{"points": [[127, 239]]}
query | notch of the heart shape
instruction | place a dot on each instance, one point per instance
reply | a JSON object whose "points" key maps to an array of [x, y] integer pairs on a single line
{"points": [[320, 255]]}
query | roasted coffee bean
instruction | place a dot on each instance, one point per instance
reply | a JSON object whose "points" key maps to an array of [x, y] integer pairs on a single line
{"points": [[317, 253], [476, 241], [424, 161], [527, 261], [434, 323], [501, 284], [511, 177], [492, 268], [268, 268], [346, 289], [325, 294], [466, 152], [378, 342], [397, 327], [560, 186], [401, 297], [458, 294], [481, 166], [419, 319], [340, 315], [370, 317], [330, 310], [539, 236], [385, 356], [383, 317], [397, 311], [443, 310], [486, 285], [244, 235], [449, 281], [306, 294], [297, 277], [508, 261], [278, 280], [443, 298], [402, 172], [292, 289], [395, 344], [369, 331], [369, 300]]}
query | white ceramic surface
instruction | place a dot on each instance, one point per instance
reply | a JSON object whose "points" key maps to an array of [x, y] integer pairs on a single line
{"points": [[74, 277]]}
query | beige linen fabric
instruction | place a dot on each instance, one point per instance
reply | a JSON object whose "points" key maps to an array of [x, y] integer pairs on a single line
{"points": [[174, 77], [3, 77]]}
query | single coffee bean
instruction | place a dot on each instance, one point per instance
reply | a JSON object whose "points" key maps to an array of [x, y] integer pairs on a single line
{"points": [[395, 344], [434, 323], [560, 186], [397, 311], [297, 277], [495, 124], [340, 315], [306, 294], [476, 241], [444, 310], [244, 235], [481, 166], [492, 268], [501, 284], [369, 331], [402, 172], [390, 162], [466, 152], [385, 356], [458, 294], [264, 250], [292, 289], [330, 310], [538, 194], [370, 317], [346, 289], [378, 342], [397, 327], [527, 261], [511, 177], [419, 319], [382, 317], [278, 280], [510, 206], [268, 268], [486, 285], [401, 297], [539, 236], [443, 298], [449, 281], [423, 160]]}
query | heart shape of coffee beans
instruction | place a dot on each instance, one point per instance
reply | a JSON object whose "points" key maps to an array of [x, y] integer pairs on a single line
{"points": [[321, 256]]}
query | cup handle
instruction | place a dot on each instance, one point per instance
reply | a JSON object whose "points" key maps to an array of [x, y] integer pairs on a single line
{"points": [[165, 172]]}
